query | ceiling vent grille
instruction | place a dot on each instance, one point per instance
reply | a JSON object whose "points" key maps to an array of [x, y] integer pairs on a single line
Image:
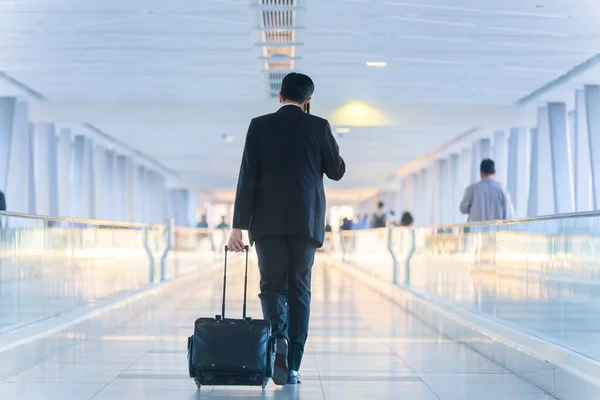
{"points": [[285, 3], [275, 79], [279, 36], [278, 19], [277, 27], [288, 51], [275, 86], [279, 65]]}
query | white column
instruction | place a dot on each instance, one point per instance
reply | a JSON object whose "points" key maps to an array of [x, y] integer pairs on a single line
{"points": [[434, 179], [162, 199], [153, 193], [100, 186], [572, 133], [416, 196], [8, 107], [109, 190], [129, 190], [464, 177], [518, 169], [455, 191], [31, 192], [90, 162], [560, 146], [465, 167], [592, 105], [480, 150], [173, 205], [444, 196], [82, 188], [545, 189], [17, 187], [532, 203], [46, 169], [119, 189], [426, 200], [64, 160], [500, 156], [475, 162], [141, 197], [192, 206], [582, 170], [485, 150]]}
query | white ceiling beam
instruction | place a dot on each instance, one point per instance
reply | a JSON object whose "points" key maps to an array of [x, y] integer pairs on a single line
{"points": [[231, 113]]}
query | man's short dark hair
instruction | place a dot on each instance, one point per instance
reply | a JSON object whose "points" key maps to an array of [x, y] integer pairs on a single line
{"points": [[488, 167], [297, 87]]}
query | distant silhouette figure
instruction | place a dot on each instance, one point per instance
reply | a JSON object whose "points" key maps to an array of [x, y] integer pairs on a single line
{"points": [[406, 219]]}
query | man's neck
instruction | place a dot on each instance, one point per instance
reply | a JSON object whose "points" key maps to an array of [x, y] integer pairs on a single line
{"points": [[291, 104]]}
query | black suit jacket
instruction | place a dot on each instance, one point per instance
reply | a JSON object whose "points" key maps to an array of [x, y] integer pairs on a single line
{"points": [[280, 187]]}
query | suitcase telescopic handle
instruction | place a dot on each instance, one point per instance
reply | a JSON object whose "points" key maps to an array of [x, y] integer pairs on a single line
{"points": [[247, 249]]}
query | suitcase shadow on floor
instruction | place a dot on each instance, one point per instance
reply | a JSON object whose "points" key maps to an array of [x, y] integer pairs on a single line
{"points": [[272, 392]]}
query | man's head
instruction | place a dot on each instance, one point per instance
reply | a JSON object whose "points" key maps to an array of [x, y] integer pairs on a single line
{"points": [[297, 89], [380, 205], [487, 168]]}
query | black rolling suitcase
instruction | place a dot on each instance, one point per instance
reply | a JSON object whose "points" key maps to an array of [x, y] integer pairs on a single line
{"points": [[227, 351]]}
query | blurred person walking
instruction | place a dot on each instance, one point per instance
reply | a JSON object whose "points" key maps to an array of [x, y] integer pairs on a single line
{"points": [[487, 200]]}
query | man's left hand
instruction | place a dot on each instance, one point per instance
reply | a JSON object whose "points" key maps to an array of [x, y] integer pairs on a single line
{"points": [[236, 242]]}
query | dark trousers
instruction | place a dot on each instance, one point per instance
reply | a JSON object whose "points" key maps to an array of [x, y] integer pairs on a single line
{"points": [[285, 264]]}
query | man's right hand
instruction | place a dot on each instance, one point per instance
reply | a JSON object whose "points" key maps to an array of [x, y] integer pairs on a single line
{"points": [[236, 242]]}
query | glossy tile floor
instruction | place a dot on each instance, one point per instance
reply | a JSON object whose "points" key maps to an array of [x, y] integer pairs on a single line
{"points": [[361, 347]]}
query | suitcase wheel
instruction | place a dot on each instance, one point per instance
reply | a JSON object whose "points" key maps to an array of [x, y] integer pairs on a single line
{"points": [[264, 385], [198, 384]]}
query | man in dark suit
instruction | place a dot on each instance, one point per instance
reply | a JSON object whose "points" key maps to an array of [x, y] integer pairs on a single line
{"points": [[2, 201], [280, 200]]}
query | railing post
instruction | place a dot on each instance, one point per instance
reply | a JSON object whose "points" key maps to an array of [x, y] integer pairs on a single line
{"points": [[168, 247], [411, 250], [393, 254], [150, 252]]}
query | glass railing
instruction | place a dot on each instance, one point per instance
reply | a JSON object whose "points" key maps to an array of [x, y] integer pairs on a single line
{"points": [[52, 266], [540, 276]]}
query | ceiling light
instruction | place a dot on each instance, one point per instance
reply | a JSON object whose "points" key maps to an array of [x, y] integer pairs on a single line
{"points": [[342, 130], [359, 114], [227, 138], [377, 64]]}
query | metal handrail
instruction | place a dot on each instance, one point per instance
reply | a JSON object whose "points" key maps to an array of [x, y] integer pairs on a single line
{"points": [[553, 217], [80, 220]]}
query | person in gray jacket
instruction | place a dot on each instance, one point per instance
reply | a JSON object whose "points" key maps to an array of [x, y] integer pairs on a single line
{"points": [[487, 200]]}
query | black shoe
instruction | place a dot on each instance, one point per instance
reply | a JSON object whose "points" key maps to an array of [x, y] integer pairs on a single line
{"points": [[280, 369], [294, 378]]}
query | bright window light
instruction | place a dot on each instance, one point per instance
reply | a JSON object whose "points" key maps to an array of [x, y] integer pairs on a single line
{"points": [[377, 64]]}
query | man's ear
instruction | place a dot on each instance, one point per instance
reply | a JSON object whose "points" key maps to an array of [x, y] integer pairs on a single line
{"points": [[280, 98]]}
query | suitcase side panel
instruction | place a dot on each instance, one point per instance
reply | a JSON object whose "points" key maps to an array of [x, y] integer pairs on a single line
{"points": [[235, 346]]}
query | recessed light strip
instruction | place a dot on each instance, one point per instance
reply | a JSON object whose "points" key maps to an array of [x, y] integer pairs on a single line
{"points": [[377, 64]]}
